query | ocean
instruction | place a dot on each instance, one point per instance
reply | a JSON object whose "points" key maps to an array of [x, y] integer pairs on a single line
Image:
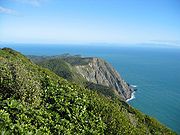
{"points": [[154, 70]]}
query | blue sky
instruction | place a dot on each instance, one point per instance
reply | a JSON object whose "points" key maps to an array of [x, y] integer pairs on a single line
{"points": [[90, 21]]}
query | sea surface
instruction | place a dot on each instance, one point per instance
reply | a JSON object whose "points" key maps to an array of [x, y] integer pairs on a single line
{"points": [[154, 70]]}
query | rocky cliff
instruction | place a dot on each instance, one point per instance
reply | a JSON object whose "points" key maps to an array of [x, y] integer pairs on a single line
{"points": [[91, 72], [99, 71]]}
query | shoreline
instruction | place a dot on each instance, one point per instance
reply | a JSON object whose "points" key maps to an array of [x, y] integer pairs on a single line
{"points": [[134, 87], [132, 96]]}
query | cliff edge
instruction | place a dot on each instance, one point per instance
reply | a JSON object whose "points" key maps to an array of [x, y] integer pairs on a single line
{"points": [[99, 71], [91, 72]]}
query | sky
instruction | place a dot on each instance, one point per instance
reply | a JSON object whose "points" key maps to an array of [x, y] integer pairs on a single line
{"points": [[90, 21]]}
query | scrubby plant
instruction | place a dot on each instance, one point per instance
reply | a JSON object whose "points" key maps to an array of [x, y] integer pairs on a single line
{"points": [[34, 100]]}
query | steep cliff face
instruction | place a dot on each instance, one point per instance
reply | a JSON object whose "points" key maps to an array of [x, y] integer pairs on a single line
{"points": [[100, 72], [90, 72]]}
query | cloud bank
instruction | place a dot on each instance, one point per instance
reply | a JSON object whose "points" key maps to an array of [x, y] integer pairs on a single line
{"points": [[4, 10]]}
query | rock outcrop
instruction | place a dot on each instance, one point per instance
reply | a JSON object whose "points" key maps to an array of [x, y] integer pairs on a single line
{"points": [[100, 72], [85, 71]]}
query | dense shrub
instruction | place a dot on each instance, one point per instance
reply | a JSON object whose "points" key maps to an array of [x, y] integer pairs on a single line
{"points": [[34, 100]]}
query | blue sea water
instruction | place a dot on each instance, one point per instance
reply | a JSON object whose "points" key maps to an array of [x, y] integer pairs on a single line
{"points": [[156, 72]]}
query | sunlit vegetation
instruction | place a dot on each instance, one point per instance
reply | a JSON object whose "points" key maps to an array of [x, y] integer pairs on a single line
{"points": [[63, 66], [34, 100]]}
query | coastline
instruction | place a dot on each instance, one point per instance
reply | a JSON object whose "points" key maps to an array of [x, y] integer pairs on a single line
{"points": [[134, 87], [132, 97]]}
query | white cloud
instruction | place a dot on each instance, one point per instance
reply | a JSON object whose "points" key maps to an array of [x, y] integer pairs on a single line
{"points": [[7, 11]]}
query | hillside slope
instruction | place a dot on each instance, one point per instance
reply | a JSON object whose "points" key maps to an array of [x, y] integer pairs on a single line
{"points": [[87, 71], [34, 100]]}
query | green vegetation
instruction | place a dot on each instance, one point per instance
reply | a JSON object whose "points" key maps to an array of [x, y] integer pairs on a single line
{"points": [[104, 90], [60, 66], [34, 100], [63, 66]]}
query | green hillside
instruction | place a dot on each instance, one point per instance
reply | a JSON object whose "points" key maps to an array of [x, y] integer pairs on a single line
{"points": [[63, 66], [34, 100]]}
